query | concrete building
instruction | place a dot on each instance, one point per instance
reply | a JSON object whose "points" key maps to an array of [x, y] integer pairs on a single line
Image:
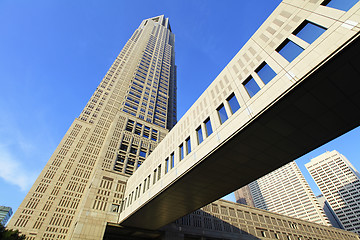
{"points": [[94, 181], [339, 182], [335, 222], [227, 220], [81, 187], [5, 214], [285, 191]]}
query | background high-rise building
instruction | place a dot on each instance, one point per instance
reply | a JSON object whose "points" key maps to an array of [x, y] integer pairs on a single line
{"points": [[81, 187], [243, 196], [5, 214], [335, 222], [339, 182], [285, 191]]}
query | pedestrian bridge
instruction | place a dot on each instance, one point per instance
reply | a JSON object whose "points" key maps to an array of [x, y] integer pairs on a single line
{"points": [[294, 86]]}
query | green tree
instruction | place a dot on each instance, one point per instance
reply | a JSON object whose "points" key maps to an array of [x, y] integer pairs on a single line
{"points": [[6, 234]]}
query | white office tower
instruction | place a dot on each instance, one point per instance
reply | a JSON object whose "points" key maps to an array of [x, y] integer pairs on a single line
{"points": [[81, 187], [335, 222], [285, 191], [339, 182]]}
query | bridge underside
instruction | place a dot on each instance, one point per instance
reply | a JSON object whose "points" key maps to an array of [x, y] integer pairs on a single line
{"points": [[325, 105], [114, 231]]}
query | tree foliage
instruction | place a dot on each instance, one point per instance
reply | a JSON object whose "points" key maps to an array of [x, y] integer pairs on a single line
{"points": [[6, 234]]}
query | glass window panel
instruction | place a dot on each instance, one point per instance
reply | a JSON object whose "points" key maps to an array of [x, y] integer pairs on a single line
{"points": [[188, 146], [172, 160], [181, 148], [144, 185], [289, 50], [251, 86], [208, 127], [154, 176], [133, 150], [344, 5], [159, 172], [166, 165], [222, 114], [142, 153], [199, 135], [265, 72], [123, 147], [309, 32], [233, 103]]}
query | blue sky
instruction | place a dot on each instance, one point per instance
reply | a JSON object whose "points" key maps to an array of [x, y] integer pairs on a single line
{"points": [[53, 54]]}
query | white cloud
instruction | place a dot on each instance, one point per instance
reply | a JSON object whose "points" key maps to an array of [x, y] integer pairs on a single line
{"points": [[12, 171]]}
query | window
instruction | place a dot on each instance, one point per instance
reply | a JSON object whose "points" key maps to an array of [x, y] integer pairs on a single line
{"points": [[199, 135], [172, 157], [114, 208], [154, 176], [148, 181], [166, 165], [133, 150], [129, 125], [159, 172], [131, 161], [139, 190], [233, 103], [146, 132], [208, 128], [251, 86], [154, 135], [289, 50], [222, 113], [276, 236], [138, 129], [142, 153], [181, 149], [188, 145], [340, 4], [309, 32], [265, 72], [123, 147], [136, 193]]}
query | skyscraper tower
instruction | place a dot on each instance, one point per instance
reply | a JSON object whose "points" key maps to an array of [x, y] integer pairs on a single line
{"points": [[243, 196], [5, 214], [81, 187], [339, 182], [285, 191]]}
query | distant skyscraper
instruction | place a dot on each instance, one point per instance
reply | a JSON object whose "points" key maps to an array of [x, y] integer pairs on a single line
{"points": [[5, 214], [285, 191], [339, 182], [80, 189], [243, 196], [335, 222]]}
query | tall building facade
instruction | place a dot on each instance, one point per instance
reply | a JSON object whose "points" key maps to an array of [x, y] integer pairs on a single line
{"points": [[5, 214], [285, 191], [81, 187], [243, 196], [339, 182], [335, 222]]}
